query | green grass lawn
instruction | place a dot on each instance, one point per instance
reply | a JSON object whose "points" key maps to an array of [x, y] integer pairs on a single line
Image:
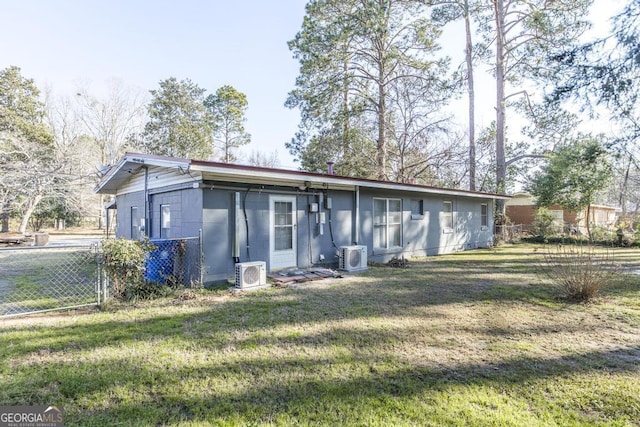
{"points": [[475, 338], [46, 278]]}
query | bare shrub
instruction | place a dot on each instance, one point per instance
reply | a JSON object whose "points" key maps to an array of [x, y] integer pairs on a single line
{"points": [[579, 271]]}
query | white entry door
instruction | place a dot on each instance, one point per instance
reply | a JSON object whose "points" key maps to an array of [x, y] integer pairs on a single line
{"points": [[283, 249]]}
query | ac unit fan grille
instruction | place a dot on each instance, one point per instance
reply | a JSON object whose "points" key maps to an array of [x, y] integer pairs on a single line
{"points": [[354, 258], [251, 275]]}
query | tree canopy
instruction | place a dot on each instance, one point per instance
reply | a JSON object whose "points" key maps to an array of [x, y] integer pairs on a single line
{"points": [[354, 56], [228, 109], [574, 176], [179, 125], [30, 165]]}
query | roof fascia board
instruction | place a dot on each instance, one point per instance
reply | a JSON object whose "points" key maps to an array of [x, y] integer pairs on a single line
{"points": [[139, 160], [324, 181]]}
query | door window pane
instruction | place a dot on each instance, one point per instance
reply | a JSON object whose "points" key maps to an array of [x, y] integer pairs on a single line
{"points": [[284, 238], [283, 226], [282, 212]]}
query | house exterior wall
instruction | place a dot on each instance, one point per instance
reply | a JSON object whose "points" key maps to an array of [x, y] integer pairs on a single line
{"points": [[186, 213], [218, 209], [123, 213], [224, 223], [520, 212], [425, 234]]}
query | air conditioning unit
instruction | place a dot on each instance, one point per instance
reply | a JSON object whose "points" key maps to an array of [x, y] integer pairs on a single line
{"points": [[251, 275], [352, 258]]}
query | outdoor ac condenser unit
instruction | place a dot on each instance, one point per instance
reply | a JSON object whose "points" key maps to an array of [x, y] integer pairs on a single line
{"points": [[352, 258], [251, 274]]}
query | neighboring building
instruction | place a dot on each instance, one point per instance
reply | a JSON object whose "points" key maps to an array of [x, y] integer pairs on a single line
{"points": [[290, 218], [521, 209]]}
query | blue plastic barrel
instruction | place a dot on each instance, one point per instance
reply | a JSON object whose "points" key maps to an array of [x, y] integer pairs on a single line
{"points": [[159, 264]]}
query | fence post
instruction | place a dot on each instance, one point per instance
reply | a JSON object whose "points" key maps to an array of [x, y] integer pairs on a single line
{"points": [[201, 257]]}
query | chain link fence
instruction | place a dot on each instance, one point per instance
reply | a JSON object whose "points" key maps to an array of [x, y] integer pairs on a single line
{"points": [[510, 233], [38, 279], [167, 262], [175, 262]]}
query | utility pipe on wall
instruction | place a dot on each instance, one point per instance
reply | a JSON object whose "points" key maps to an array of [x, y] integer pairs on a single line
{"points": [[356, 227]]}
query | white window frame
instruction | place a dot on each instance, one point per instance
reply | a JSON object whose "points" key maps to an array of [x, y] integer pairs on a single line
{"points": [[165, 222], [484, 216], [135, 225], [387, 224], [447, 216], [419, 213]]}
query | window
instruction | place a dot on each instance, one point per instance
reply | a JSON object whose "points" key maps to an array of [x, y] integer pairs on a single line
{"points": [[165, 221], [484, 216], [283, 225], [417, 209], [447, 216], [135, 223], [387, 223]]}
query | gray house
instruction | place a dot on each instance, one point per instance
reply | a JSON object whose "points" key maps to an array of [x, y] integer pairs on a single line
{"points": [[291, 218]]}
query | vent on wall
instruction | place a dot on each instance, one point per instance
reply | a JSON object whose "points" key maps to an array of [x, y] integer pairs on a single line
{"points": [[353, 258], [251, 275]]}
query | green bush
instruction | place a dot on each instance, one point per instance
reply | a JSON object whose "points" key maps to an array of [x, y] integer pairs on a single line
{"points": [[124, 264], [543, 223], [579, 271]]}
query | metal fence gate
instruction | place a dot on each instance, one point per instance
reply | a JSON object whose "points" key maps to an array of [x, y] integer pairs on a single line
{"points": [[38, 279]]}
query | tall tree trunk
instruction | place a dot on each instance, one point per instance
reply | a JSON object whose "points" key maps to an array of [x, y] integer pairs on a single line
{"points": [[4, 216], [382, 143], [623, 190], [470, 88], [589, 223], [501, 169], [101, 210], [31, 207]]}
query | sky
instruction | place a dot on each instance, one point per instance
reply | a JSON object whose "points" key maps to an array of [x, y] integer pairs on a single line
{"points": [[242, 43]]}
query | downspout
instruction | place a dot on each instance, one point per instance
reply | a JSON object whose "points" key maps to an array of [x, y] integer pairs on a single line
{"points": [[246, 221], [235, 254], [147, 205], [356, 226], [106, 215]]}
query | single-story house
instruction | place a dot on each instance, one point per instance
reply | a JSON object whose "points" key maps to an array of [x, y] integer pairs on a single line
{"points": [[290, 218], [521, 209]]}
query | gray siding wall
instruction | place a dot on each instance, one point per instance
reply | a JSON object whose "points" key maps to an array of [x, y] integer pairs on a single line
{"points": [[221, 224], [123, 214], [426, 234], [186, 212], [214, 212]]}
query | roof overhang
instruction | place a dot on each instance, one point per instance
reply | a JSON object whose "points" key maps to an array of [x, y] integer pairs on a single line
{"points": [[131, 163]]}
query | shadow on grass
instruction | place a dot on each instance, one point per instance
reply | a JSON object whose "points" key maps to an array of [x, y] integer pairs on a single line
{"points": [[372, 295], [261, 310], [297, 387]]}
